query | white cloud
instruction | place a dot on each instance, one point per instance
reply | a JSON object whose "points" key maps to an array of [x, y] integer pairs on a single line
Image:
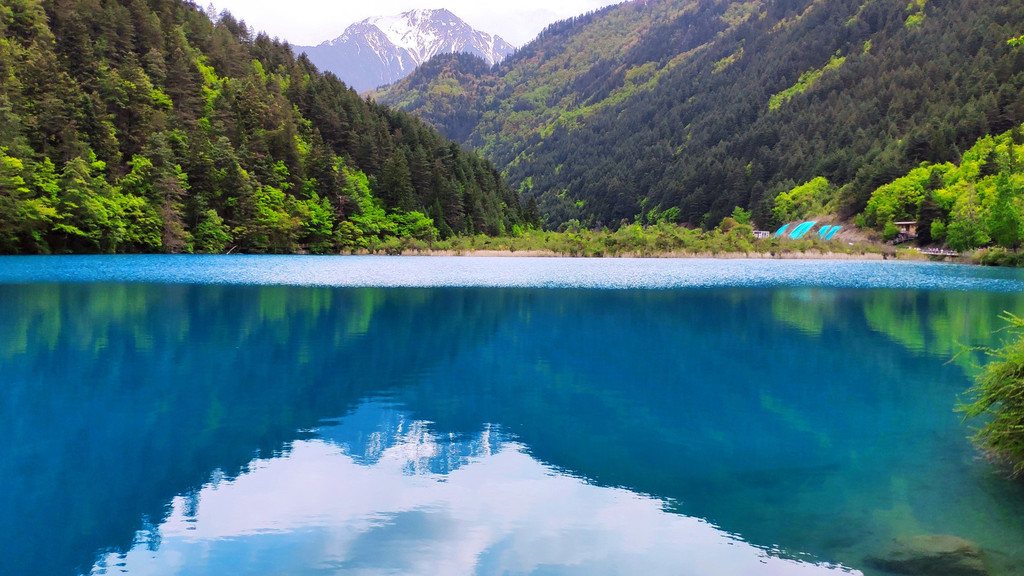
{"points": [[317, 509]]}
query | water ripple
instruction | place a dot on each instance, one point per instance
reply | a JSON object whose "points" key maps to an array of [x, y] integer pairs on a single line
{"points": [[610, 273]]}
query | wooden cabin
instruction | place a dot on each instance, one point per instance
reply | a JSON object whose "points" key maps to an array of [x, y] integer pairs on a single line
{"points": [[908, 229], [908, 232]]}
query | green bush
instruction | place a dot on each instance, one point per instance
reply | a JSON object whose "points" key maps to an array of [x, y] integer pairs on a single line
{"points": [[998, 394], [890, 232], [999, 256]]}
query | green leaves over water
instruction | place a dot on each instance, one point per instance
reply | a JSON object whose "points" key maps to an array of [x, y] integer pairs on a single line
{"points": [[998, 394]]}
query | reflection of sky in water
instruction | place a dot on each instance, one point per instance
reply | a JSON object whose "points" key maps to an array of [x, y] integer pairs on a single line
{"points": [[378, 493], [816, 421]]}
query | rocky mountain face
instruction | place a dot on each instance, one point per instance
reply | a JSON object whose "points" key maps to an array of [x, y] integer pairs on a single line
{"points": [[385, 49]]}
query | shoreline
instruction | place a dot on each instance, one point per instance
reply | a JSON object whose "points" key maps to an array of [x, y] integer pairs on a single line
{"points": [[970, 259], [906, 256]]}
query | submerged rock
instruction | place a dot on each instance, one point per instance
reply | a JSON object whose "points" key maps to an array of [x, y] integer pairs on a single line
{"points": [[931, 555]]}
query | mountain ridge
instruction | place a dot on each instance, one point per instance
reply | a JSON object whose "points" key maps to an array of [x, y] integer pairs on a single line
{"points": [[707, 105], [380, 50]]}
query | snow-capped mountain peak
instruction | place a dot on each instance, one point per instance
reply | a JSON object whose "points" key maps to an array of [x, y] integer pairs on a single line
{"points": [[414, 31], [384, 49]]}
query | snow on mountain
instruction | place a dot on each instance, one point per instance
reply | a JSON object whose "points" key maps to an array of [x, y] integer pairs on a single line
{"points": [[385, 49]]}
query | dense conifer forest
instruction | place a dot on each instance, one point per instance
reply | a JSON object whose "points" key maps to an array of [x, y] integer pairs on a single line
{"points": [[692, 107], [152, 126]]}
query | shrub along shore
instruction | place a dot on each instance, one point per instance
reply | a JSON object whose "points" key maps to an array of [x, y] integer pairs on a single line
{"points": [[658, 241], [997, 398], [669, 241]]}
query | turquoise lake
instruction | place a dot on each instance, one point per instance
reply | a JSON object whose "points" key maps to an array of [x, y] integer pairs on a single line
{"points": [[373, 415]]}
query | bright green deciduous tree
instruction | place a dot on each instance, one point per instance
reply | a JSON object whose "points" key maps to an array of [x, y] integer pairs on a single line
{"points": [[317, 218], [369, 216], [1004, 222], [271, 225], [802, 201], [902, 198], [890, 231], [142, 224], [966, 229], [89, 216], [211, 236], [414, 225], [742, 216], [26, 207], [13, 194]]}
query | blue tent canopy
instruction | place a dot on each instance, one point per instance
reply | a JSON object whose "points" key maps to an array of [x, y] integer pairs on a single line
{"points": [[801, 230]]}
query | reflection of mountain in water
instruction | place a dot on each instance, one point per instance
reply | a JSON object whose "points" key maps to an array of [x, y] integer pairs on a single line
{"points": [[117, 397], [378, 432], [797, 420], [824, 442], [323, 507]]}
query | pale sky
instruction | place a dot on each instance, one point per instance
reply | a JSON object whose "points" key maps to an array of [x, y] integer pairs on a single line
{"points": [[310, 22]]}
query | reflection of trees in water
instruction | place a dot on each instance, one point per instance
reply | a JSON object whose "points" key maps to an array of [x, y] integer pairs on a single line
{"points": [[795, 433], [117, 397], [939, 323], [122, 396], [936, 323]]}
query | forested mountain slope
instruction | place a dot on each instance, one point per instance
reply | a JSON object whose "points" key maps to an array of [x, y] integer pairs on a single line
{"points": [[703, 105], [143, 126]]}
